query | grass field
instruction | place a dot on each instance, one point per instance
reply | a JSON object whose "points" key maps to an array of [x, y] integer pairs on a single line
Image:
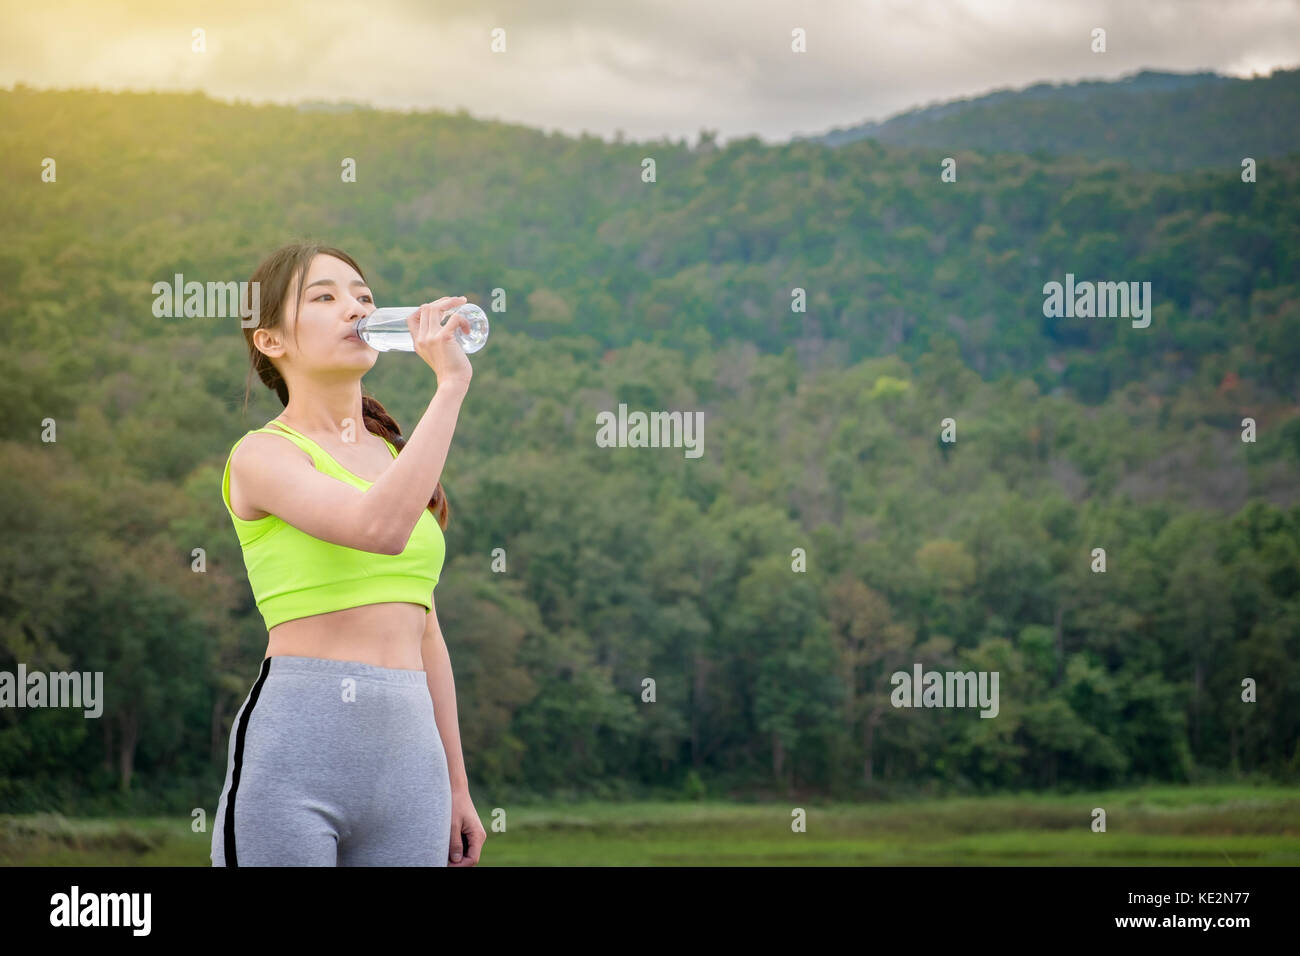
{"points": [[1171, 826]]}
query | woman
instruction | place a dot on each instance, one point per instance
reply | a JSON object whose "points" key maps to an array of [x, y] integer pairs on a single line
{"points": [[346, 752]]}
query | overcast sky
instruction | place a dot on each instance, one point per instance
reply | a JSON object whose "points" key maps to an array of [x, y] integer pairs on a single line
{"points": [[647, 67]]}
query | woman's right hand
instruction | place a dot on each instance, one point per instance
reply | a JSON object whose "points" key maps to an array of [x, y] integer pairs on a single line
{"points": [[435, 341]]}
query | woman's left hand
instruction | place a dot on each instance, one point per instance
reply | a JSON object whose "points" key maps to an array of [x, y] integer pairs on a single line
{"points": [[464, 821]]}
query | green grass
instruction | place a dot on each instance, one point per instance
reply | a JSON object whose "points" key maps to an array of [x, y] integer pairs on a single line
{"points": [[1174, 826]]}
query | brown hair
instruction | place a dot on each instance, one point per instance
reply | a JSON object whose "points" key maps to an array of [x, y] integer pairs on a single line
{"points": [[272, 278]]}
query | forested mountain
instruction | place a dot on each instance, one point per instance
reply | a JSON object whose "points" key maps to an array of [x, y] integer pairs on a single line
{"points": [[1159, 121], [823, 437]]}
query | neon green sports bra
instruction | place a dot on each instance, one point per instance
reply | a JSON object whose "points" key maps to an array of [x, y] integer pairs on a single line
{"points": [[294, 575]]}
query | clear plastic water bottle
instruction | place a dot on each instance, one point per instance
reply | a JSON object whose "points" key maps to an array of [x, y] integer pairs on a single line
{"points": [[386, 329]]}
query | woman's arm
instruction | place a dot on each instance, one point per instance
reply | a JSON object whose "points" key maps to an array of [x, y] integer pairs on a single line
{"points": [[400, 495], [442, 688]]}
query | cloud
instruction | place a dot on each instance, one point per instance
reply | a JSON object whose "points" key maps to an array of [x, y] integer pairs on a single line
{"points": [[661, 67]]}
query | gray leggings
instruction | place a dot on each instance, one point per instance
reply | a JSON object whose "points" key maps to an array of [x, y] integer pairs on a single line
{"points": [[334, 763]]}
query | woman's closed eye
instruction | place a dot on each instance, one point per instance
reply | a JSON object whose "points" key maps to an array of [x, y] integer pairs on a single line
{"points": [[366, 298]]}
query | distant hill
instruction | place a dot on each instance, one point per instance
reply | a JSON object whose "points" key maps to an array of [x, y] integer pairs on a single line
{"points": [[324, 106], [890, 260], [1154, 120], [821, 316]]}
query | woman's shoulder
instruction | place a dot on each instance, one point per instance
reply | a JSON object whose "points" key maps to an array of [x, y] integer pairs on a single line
{"points": [[260, 452], [263, 443]]}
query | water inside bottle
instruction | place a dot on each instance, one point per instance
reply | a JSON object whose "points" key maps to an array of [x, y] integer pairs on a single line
{"points": [[385, 329], [478, 328]]}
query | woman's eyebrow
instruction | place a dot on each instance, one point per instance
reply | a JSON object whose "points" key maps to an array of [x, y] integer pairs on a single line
{"points": [[332, 282]]}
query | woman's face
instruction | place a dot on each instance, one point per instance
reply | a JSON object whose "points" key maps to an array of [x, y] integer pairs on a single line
{"points": [[334, 297]]}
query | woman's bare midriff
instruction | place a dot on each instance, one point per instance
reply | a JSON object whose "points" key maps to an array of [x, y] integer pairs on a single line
{"points": [[385, 635]]}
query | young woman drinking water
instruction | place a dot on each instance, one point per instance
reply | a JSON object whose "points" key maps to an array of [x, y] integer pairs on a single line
{"points": [[346, 751]]}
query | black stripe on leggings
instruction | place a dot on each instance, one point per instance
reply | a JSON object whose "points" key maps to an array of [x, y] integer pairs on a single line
{"points": [[231, 858]]}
